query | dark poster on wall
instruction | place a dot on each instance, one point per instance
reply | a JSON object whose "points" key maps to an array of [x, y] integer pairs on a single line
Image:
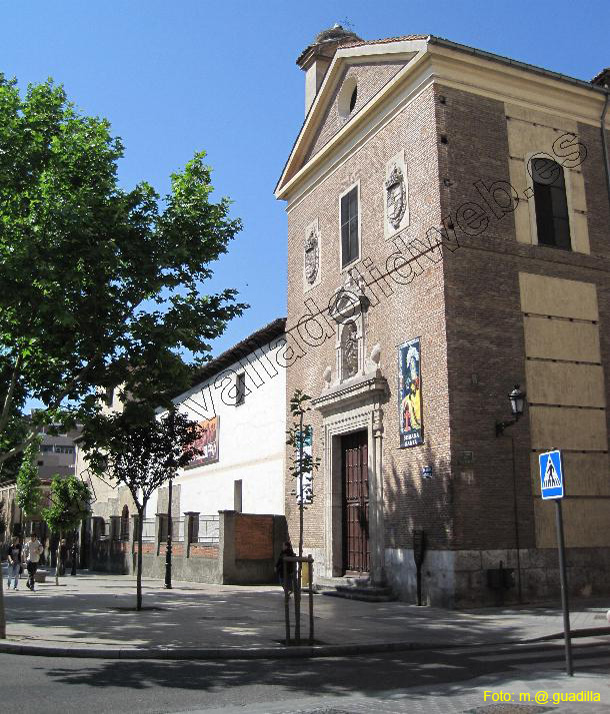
{"points": [[208, 443], [409, 394]]}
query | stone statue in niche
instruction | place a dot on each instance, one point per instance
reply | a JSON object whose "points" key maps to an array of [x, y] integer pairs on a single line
{"points": [[349, 350], [312, 256], [396, 194]]}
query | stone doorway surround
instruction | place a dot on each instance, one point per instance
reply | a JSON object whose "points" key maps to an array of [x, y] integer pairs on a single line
{"points": [[352, 406]]}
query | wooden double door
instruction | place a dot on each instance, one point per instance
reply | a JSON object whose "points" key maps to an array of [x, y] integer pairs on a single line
{"points": [[355, 480]]}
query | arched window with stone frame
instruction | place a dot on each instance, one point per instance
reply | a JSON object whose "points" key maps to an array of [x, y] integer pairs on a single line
{"points": [[348, 310]]}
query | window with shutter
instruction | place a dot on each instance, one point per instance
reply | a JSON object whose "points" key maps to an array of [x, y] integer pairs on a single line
{"points": [[349, 227], [240, 391], [550, 201]]}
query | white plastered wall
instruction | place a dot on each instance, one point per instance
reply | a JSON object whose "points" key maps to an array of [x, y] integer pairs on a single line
{"points": [[251, 439]]}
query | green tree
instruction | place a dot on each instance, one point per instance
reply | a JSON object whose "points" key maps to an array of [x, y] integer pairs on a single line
{"points": [[70, 498], [99, 286], [137, 449], [29, 485], [302, 464], [301, 467], [13, 428]]}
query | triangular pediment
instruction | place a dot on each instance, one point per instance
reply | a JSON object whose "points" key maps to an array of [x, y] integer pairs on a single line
{"points": [[367, 68]]}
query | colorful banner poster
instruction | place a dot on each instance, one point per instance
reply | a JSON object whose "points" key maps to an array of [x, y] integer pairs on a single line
{"points": [[409, 394], [207, 443]]}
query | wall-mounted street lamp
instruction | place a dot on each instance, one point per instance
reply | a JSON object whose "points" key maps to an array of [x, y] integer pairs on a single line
{"points": [[517, 404]]}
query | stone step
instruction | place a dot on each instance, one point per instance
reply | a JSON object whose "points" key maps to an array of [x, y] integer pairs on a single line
{"points": [[365, 589], [323, 584], [363, 594], [358, 580]]}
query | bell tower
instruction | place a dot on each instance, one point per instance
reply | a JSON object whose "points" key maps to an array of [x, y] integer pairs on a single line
{"points": [[315, 59]]}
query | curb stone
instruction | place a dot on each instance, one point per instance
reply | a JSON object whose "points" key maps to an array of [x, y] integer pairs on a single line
{"points": [[240, 653]]}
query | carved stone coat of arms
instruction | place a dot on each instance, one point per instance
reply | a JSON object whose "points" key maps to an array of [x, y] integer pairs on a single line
{"points": [[396, 194], [312, 256]]}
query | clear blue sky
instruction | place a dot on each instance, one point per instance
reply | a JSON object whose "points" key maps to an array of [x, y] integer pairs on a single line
{"points": [[178, 76]]}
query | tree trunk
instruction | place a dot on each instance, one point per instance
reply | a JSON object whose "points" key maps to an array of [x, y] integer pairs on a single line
{"points": [[57, 558], [2, 615], [139, 562]]}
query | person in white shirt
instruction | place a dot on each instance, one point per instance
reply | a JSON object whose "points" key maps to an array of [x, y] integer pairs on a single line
{"points": [[32, 552]]}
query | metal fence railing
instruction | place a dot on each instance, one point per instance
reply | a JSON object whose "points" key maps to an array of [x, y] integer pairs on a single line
{"points": [[148, 530], [208, 530], [178, 530]]}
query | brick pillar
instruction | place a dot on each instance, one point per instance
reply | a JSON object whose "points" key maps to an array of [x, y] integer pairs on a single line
{"points": [[161, 528], [133, 531], [115, 527], [226, 546], [191, 530]]}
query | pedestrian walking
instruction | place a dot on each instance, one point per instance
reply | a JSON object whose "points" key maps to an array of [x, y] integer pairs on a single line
{"points": [[14, 562], [32, 552], [279, 567]]}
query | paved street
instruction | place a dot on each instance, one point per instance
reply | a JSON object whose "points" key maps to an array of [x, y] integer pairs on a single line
{"points": [[430, 681], [97, 611], [449, 675]]}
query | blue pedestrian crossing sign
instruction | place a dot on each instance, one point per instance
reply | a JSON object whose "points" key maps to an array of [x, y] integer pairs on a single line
{"points": [[551, 475]]}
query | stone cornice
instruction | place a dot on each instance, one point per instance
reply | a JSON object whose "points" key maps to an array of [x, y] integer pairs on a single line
{"points": [[357, 391], [450, 64]]}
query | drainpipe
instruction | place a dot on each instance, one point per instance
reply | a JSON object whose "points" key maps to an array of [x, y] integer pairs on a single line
{"points": [[605, 143]]}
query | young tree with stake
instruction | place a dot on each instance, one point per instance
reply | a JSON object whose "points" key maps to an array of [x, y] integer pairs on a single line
{"points": [[70, 498], [142, 451], [302, 466]]}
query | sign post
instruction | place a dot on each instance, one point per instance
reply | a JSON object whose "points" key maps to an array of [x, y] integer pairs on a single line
{"points": [[552, 488], [418, 555]]}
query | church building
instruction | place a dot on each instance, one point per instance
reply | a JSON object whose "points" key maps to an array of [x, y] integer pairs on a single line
{"points": [[448, 246]]}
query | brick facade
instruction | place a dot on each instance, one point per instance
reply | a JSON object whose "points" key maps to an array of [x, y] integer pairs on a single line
{"points": [[370, 78], [468, 311], [253, 537]]}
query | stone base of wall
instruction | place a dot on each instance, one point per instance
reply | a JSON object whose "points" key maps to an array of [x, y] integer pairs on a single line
{"points": [[248, 548], [193, 570], [109, 556], [460, 578]]}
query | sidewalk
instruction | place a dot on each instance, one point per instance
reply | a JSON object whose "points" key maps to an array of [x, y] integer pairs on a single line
{"points": [[93, 615]]}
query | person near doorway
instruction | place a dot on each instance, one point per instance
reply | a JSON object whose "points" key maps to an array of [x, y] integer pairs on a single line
{"points": [[14, 563], [279, 567], [32, 552]]}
